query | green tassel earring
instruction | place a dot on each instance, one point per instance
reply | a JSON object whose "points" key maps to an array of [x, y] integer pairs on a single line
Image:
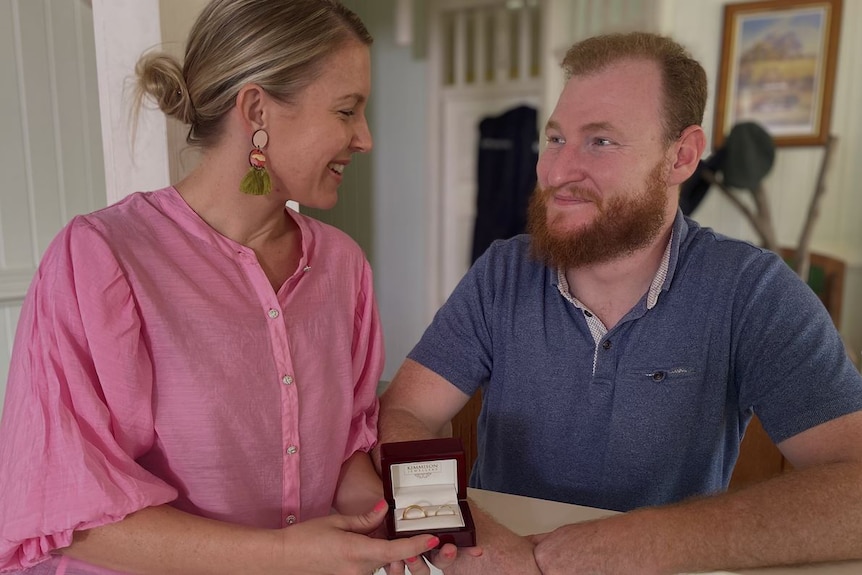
{"points": [[256, 181]]}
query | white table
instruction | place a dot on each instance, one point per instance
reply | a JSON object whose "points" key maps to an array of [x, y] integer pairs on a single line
{"points": [[525, 516]]}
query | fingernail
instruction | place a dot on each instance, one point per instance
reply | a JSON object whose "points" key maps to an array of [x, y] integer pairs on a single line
{"points": [[411, 560], [381, 505], [433, 542], [449, 554]]}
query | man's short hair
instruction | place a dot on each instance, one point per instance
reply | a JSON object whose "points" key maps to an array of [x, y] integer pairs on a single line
{"points": [[683, 78]]}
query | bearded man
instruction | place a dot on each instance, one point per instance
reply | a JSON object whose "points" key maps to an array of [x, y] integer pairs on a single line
{"points": [[621, 350]]}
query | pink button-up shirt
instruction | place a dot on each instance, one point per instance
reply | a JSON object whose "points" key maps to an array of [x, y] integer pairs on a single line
{"points": [[154, 363]]}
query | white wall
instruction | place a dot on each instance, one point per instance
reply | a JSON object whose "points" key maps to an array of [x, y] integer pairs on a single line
{"points": [[838, 232], [50, 143], [397, 103]]}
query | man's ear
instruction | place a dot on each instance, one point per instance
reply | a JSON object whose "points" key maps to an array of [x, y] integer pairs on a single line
{"points": [[251, 104], [687, 151]]}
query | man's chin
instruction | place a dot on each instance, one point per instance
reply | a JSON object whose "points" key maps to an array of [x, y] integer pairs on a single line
{"points": [[566, 233]]}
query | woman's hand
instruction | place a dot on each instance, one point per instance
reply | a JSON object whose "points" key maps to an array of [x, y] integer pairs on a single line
{"points": [[341, 544], [442, 559]]}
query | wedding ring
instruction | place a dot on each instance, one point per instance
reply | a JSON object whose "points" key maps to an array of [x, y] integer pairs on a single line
{"points": [[449, 508], [418, 509]]}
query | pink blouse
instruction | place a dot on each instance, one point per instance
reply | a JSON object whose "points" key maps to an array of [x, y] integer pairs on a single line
{"points": [[154, 363]]}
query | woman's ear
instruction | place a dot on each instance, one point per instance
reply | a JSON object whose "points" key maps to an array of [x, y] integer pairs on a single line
{"points": [[687, 149], [251, 104]]}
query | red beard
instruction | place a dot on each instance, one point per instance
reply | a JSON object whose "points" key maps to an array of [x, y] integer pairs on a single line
{"points": [[626, 223]]}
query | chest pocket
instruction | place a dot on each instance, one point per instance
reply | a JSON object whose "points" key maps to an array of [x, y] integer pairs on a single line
{"points": [[660, 401]]}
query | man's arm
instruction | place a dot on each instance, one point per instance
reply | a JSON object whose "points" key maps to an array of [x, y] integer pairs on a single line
{"points": [[812, 514], [419, 404]]}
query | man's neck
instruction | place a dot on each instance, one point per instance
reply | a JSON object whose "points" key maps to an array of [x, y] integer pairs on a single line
{"points": [[610, 289]]}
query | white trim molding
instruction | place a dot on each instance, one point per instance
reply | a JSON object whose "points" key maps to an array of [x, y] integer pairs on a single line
{"points": [[14, 284]]}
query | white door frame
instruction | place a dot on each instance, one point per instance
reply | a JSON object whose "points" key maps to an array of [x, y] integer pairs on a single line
{"points": [[124, 29]]}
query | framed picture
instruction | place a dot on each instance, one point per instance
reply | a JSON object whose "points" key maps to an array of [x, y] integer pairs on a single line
{"points": [[778, 69]]}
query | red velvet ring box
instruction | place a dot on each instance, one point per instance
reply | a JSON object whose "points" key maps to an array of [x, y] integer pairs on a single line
{"points": [[425, 484]]}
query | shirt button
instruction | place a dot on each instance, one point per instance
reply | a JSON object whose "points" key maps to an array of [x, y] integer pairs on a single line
{"points": [[588, 314], [286, 380], [306, 269], [607, 344], [658, 376], [290, 519], [291, 450], [273, 313]]}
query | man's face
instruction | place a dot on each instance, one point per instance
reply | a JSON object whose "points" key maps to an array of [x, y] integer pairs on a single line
{"points": [[602, 179]]}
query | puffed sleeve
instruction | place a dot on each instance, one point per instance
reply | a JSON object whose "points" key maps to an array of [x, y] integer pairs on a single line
{"points": [[78, 408], [368, 358]]}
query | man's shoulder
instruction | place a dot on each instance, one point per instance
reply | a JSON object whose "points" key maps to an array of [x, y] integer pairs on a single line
{"points": [[710, 249]]}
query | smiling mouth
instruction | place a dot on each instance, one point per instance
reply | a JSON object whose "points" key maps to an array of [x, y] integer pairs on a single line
{"points": [[337, 168]]}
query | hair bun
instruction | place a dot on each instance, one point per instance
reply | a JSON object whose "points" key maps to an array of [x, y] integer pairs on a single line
{"points": [[161, 78]]}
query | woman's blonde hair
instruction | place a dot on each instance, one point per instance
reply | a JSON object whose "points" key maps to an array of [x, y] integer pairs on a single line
{"points": [[279, 45]]}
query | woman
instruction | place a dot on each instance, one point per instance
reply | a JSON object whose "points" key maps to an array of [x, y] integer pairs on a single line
{"points": [[193, 382]]}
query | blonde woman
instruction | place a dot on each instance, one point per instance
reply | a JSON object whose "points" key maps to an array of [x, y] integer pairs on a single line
{"points": [[193, 382]]}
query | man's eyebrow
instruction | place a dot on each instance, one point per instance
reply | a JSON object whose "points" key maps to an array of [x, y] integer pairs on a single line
{"points": [[591, 127]]}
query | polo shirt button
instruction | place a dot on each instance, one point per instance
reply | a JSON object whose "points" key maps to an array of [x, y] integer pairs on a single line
{"points": [[273, 313], [291, 450], [658, 376], [306, 269], [290, 519], [607, 344], [286, 380]]}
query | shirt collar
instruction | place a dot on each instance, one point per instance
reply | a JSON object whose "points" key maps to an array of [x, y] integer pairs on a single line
{"points": [[664, 275]]}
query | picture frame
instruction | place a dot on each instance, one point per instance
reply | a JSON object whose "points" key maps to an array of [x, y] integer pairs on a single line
{"points": [[778, 64]]}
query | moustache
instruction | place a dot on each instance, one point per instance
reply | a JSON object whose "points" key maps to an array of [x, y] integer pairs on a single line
{"points": [[574, 192]]}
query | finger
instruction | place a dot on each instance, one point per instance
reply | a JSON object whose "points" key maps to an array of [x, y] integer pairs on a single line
{"points": [[537, 537], [395, 568], [364, 523], [417, 566], [405, 549]]}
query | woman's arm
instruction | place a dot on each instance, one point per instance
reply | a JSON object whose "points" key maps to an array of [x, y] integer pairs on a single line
{"points": [[164, 541]]}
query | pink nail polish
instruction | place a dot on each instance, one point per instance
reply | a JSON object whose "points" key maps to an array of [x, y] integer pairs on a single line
{"points": [[433, 542], [381, 505], [411, 560]]}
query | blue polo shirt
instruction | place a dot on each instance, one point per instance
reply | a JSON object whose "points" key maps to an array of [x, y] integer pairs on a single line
{"points": [[652, 412]]}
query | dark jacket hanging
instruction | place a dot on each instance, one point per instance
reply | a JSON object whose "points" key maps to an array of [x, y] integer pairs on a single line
{"points": [[506, 172]]}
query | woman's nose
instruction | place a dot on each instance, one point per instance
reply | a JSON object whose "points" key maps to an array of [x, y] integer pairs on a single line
{"points": [[362, 140]]}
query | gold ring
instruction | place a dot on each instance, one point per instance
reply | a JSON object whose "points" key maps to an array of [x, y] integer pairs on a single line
{"points": [[446, 506], [418, 508]]}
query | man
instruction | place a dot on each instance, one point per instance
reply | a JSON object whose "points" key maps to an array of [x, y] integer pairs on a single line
{"points": [[622, 349]]}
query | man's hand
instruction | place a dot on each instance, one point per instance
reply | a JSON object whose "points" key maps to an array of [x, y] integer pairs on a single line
{"points": [[499, 552], [604, 546]]}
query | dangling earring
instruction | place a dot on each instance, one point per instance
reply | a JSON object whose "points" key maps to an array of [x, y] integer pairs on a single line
{"points": [[256, 181]]}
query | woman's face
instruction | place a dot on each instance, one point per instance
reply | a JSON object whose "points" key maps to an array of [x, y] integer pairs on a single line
{"points": [[312, 139]]}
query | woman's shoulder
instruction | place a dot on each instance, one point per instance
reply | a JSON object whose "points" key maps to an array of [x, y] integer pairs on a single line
{"points": [[321, 237]]}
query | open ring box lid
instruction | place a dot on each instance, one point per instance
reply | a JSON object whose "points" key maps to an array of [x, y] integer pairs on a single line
{"points": [[430, 474]]}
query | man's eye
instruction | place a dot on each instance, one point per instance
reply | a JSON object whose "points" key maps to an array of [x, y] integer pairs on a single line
{"points": [[602, 142], [346, 113], [554, 140]]}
